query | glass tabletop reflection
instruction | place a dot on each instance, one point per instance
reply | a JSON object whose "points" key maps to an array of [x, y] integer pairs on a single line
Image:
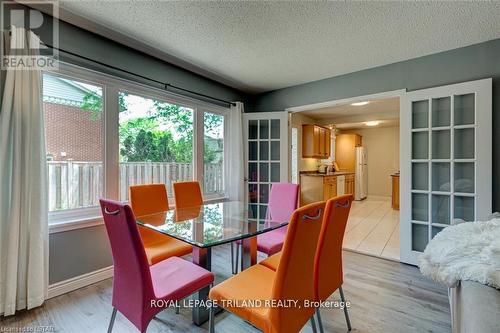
{"points": [[209, 225]]}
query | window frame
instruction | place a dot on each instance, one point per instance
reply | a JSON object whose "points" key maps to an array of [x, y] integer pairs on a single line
{"points": [[87, 216], [225, 114], [70, 219]]}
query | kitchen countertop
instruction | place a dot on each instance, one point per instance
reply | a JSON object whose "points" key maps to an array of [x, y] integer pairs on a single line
{"points": [[317, 174]]}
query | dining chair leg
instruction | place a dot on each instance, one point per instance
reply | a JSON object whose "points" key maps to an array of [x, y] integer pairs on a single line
{"points": [[237, 258], [211, 320], [112, 321], [313, 325], [348, 321], [232, 258], [320, 323]]}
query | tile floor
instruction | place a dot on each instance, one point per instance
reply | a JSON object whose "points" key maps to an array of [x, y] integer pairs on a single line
{"points": [[373, 228]]}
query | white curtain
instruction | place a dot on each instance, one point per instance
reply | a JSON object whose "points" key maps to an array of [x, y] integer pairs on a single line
{"points": [[23, 198], [236, 189]]}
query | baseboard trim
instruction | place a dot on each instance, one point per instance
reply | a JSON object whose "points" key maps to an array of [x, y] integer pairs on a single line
{"points": [[379, 198], [77, 282], [372, 255]]}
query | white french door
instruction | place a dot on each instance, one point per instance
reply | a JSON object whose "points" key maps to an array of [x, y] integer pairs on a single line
{"points": [[266, 157], [446, 161]]}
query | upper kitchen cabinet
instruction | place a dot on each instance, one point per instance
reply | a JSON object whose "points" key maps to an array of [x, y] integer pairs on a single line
{"points": [[315, 141], [345, 150]]}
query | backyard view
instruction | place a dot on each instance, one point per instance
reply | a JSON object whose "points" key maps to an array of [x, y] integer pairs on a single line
{"points": [[156, 144]]}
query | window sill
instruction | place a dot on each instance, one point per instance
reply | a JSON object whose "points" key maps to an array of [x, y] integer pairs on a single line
{"points": [[69, 224], [73, 224], [214, 199]]}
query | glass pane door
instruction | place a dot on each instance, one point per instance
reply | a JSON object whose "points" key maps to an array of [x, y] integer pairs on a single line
{"points": [[267, 161], [447, 154]]}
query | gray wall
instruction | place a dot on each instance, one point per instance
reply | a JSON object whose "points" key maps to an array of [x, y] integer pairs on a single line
{"points": [[76, 252], [464, 64]]}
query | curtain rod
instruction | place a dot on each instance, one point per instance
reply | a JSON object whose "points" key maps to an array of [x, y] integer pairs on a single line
{"points": [[165, 85]]}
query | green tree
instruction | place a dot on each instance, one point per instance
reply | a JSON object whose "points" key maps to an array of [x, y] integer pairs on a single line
{"points": [[147, 145], [164, 147], [142, 140], [181, 118], [133, 126], [209, 154], [93, 102]]}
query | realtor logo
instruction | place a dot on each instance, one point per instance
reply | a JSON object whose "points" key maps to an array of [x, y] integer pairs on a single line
{"points": [[21, 50]]}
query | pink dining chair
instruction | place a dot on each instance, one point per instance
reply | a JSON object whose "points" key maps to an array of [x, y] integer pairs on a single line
{"points": [[283, 200], [136, 284]]}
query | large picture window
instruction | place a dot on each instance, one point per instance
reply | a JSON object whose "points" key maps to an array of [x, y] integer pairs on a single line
{"points": [[104, 134]]}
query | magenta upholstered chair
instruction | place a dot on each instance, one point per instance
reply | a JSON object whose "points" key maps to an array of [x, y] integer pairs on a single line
{"points": [[283, 200], [135, 283]]}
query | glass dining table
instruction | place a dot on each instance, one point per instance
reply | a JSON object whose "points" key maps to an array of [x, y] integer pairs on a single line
{"points": [[211, 225]]}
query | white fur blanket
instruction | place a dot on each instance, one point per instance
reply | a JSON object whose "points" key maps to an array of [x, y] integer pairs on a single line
{"points": [[466, 251]]}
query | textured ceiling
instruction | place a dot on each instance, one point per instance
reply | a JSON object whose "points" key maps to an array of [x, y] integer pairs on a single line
{"points": [[385, 108], [358, 125], [346, 116], [269, 45]]}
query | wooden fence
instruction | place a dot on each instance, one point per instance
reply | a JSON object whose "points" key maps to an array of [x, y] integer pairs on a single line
{"points": [[79, 184]]}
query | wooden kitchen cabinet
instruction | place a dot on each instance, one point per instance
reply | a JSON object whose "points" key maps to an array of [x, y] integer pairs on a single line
{"points": [[345, 150], [395, 191], [349, 184], [315, 142], [328, 141], [329, 187], [317, 188], [314, 188]]}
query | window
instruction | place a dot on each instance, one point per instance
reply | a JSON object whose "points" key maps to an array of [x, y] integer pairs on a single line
{"points": [[74, 144], [213, 154], [156, 142], [104, 134]]}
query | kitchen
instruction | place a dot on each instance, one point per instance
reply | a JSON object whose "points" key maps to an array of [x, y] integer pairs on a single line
{"points": [[334, 179], [353, 149]]}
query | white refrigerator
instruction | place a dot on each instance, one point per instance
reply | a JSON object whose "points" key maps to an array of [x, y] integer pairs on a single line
{"points": [[361, 174]]}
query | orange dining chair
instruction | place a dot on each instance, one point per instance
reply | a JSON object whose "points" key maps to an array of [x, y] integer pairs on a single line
{"points": [[187, 194], [328, 274], [149, 199], [292, 281]]}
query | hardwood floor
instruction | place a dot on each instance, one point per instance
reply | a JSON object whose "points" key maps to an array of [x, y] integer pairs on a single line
{"points": [[373, 228], [386, 297]]}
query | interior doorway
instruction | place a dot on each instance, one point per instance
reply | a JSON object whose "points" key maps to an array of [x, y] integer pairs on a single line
{"points": [[364, 146]]}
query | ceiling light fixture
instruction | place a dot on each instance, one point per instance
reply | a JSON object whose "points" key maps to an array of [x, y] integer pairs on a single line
{"points": [[360, 103], [372, 123]]}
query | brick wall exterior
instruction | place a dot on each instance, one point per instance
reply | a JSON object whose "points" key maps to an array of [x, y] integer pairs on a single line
{"points": [[73, 131]]}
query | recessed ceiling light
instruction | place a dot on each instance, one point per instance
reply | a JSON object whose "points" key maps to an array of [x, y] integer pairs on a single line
{"points": [[372, 123], [360, 103]]}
